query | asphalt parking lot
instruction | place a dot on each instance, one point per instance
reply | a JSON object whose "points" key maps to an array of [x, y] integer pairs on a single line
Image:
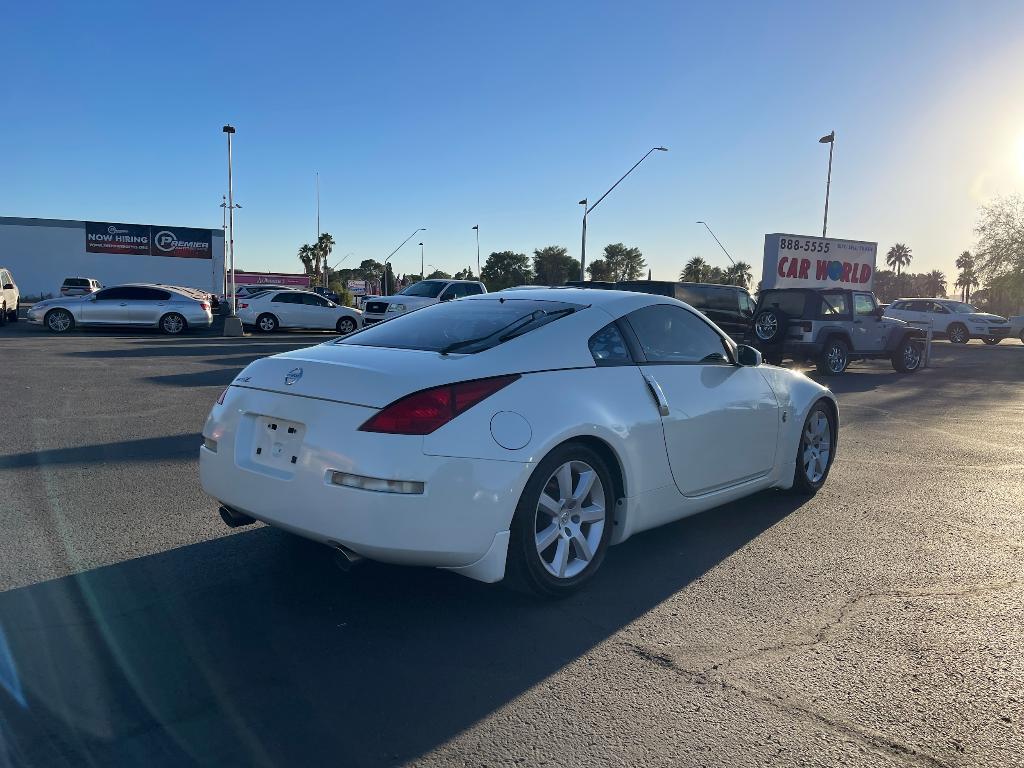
{"points": [[881, 623]]}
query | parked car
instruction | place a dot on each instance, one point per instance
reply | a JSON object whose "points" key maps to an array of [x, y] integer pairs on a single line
{"points": [[328, 294], [512, 435], [1017, 327], [418, 295], [832, 327], [361, 301], [730, 307], [10, 297], [244, 291], [956, 320], [172, 310], [297, 309], [79, 286]]}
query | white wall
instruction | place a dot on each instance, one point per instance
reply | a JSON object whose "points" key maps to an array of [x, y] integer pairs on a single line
{"points": [[40, 253]]}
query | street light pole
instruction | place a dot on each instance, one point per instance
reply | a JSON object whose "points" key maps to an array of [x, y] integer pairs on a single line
{"points": [[830, 139], [719, 243], [477, 228], [232, 325], [421, 229], [422, 274], [586, 210]]}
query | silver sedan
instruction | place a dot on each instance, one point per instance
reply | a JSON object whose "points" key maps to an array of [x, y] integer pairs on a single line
{"points": [[172, 310]]}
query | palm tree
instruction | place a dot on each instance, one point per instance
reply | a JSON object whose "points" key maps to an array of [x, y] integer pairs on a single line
{"points": [[696, 271], [898, 257], [967, 279], [740, 274], [324, 246], [935, 283], [306, 255]]}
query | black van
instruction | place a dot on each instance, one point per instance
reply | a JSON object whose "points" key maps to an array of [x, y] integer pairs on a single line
{"points": [[728, 306]]}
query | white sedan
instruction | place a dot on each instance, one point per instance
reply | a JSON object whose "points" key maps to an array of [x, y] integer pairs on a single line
{"points": [[285, 308], [512, 435]]}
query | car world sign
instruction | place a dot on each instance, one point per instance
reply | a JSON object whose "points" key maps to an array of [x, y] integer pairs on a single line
{"points": [[145, 240], [802, 261]]}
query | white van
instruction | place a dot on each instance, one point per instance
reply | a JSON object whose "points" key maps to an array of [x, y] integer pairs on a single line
{"points": [[10, 298]]}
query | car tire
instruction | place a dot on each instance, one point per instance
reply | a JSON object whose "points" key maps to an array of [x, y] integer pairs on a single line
{"points": [[1022, 337], [908, 356], [173, 324], [266, 323], [834, 358], [3, 314], [957, 333], [548, 534], [991, 342], [769, 326], [346, 325], [17, 311], [817, 437], [59, 321]]}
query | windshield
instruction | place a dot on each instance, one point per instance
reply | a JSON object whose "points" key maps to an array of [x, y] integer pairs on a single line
{"points": [[428, 289], [462, 326]]}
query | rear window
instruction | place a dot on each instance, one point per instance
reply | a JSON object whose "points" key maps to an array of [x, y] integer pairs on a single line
{"points": [[462, 327], [428, 289], [76, 282], [791, 303]]}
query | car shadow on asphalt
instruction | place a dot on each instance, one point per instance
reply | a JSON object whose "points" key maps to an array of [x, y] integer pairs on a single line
{"points": [[253, 649], [143, 449]]}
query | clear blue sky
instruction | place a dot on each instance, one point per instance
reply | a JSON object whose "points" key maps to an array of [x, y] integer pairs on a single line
{"points": [[445, 115]]}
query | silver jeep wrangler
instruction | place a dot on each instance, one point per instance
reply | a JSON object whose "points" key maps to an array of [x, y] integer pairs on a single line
{"points": [[831, 327]]}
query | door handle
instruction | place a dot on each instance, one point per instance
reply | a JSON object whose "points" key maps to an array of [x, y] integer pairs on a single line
{"points": [[658, 393]]}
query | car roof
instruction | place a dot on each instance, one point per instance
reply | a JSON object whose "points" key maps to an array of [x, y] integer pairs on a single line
{"points": [[615, 302]]}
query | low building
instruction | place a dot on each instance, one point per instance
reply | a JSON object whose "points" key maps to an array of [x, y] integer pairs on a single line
{"points": [[40, 253]]}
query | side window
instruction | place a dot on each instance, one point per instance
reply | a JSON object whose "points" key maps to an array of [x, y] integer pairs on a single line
{"points": [[448, 293], [288, 297], [863, 304], [112, 294], [834, 305], [313, 300], [474, 289], [670, 334], [150, 294], [609, 348], [722, 299], [939, 309], [746, 304]]}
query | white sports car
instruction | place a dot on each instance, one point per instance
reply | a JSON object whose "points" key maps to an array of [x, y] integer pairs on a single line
{"points": [[512, 435]]}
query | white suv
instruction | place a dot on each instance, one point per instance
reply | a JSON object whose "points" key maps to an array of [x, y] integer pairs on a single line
{"points": [[79, 286], [421, 294], [10, 298], [957, 321]]}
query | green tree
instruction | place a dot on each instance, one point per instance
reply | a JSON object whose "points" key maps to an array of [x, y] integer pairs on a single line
{"points": [[307, 254], [1000, 253], [465, 274], [437, 274], [740, 274], [898, 257], [599, 269], [371, 269], [553, 266], [885, 286], [935, 283], [322, 250], [503, 269], [624, 263], [696, 271]]}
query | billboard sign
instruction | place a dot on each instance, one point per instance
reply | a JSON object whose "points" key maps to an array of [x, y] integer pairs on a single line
{"points": [[805, 261], [146, 240], [356, 287], [271, 278]]}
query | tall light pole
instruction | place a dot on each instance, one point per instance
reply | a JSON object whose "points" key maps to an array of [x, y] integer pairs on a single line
{"points": [[477, 228], [719, 243], [830, 139], [232, 325], [422, 273], [587, 210], [421, 229]]}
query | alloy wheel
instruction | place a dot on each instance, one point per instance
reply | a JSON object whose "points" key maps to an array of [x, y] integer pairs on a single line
{"points": [[766, 326], [346, 326], [570, 519], [267, 324], [958, 335], [816, 445], [836, 358], [173, 324], [911, 357], [58, 321]]}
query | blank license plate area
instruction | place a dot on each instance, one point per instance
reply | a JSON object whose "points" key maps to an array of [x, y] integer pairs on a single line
{"points": [[277, 443]]}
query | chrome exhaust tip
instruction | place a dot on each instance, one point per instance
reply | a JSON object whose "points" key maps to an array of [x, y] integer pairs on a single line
{"points": [[345, 558], [233, 519]]}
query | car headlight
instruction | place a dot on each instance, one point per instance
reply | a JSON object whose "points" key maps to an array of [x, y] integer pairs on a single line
{"points": [[396, 307]]}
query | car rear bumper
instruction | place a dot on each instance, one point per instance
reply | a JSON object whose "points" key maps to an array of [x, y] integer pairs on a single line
{"points": [[464, 504]]}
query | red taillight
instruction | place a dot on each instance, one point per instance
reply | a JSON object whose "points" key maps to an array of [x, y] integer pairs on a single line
{"points": [[423, 412], [220, 400], [243, 305], [204, 305]]}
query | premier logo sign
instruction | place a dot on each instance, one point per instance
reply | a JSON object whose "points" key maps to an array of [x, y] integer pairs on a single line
{"points": [[145, 240]]}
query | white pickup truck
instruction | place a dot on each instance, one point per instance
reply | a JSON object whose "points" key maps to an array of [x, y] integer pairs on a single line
{"points": [[421, 294]]}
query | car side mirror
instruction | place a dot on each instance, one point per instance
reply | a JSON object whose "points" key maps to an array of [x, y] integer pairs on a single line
{"points": [[879, 312], [748, 356], [9, 287]]}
